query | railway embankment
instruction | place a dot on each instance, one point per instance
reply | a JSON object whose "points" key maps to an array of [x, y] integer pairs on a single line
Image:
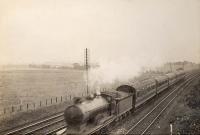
{"points": [[183, 115], [30, 116], [187, 120]]}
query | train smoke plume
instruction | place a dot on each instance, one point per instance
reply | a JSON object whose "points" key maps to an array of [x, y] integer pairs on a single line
{"points": [[120, 71], [112, 72]]}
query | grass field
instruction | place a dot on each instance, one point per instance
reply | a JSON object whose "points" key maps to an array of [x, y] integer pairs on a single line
{"points": [[26, 86]]}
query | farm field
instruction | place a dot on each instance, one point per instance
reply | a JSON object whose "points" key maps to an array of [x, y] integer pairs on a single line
{"points": [[27, 86]]}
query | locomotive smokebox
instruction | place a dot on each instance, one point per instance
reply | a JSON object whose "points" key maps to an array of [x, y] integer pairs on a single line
{"points": [[80, 113], [73, 115]]}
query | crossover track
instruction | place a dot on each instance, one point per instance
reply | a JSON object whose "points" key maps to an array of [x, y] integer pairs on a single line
{"points": [[142, 126]]}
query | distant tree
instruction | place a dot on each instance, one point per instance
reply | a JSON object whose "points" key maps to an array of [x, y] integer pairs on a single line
{"points": [[78, 66], [178, 69], [32, 66], [45, 66]]}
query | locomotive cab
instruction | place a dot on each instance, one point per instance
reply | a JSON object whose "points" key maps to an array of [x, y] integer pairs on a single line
{"points": [[131, 91]]}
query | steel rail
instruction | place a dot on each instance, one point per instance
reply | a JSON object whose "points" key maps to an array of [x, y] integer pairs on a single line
{"points": [[162, 111], [110, 121], [56, 130], [52, 117], [43, 127]]}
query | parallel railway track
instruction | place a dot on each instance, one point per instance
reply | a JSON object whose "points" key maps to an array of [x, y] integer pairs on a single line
{"points": [[56, 123], [107, 125], [33, 127], [143, 124], [182, 86], [61, 129]]}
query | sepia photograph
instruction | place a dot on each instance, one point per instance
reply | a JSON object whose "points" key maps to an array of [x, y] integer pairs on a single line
{"points": [[99, 67]]}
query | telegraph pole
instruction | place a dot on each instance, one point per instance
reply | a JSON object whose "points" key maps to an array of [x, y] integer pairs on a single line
{"points": [[170, 66], [86, 69]]}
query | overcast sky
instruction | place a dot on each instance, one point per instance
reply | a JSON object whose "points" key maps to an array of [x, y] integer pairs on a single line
{"points": [[115, 31]]}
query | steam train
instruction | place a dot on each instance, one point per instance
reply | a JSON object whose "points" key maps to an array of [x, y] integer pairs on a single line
{"points": [[89, 113]]}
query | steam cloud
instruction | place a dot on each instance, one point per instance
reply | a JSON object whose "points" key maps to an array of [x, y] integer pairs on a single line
{"points": [[112, 72]]}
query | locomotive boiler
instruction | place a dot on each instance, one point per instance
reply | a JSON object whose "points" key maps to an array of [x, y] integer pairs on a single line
{"points": [[86, 110]]}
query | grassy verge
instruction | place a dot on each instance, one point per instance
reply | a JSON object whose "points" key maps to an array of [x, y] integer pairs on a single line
{"points": [[187, 118], [27, 117], [183, 114]]}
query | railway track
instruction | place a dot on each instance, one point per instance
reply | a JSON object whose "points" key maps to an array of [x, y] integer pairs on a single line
{"points": [[143, 124], [56, 123], [107, 127], [63, 128], [36, 127], [60, 130]]}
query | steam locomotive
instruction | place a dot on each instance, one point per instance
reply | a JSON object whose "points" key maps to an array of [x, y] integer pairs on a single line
{"points": [[89, 113]]}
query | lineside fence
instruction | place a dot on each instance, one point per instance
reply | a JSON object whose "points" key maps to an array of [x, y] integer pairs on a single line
{"points": [[28, 107]]}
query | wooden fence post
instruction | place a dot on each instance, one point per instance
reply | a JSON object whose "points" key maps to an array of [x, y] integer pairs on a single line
{"points": [[4, 110], [20, 107], [12, 109]]}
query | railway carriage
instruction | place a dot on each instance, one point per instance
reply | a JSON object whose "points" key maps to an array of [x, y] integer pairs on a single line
{"points": [[172, 78], [180, 75], [146, 86], [145, 91], [162, 83]]}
